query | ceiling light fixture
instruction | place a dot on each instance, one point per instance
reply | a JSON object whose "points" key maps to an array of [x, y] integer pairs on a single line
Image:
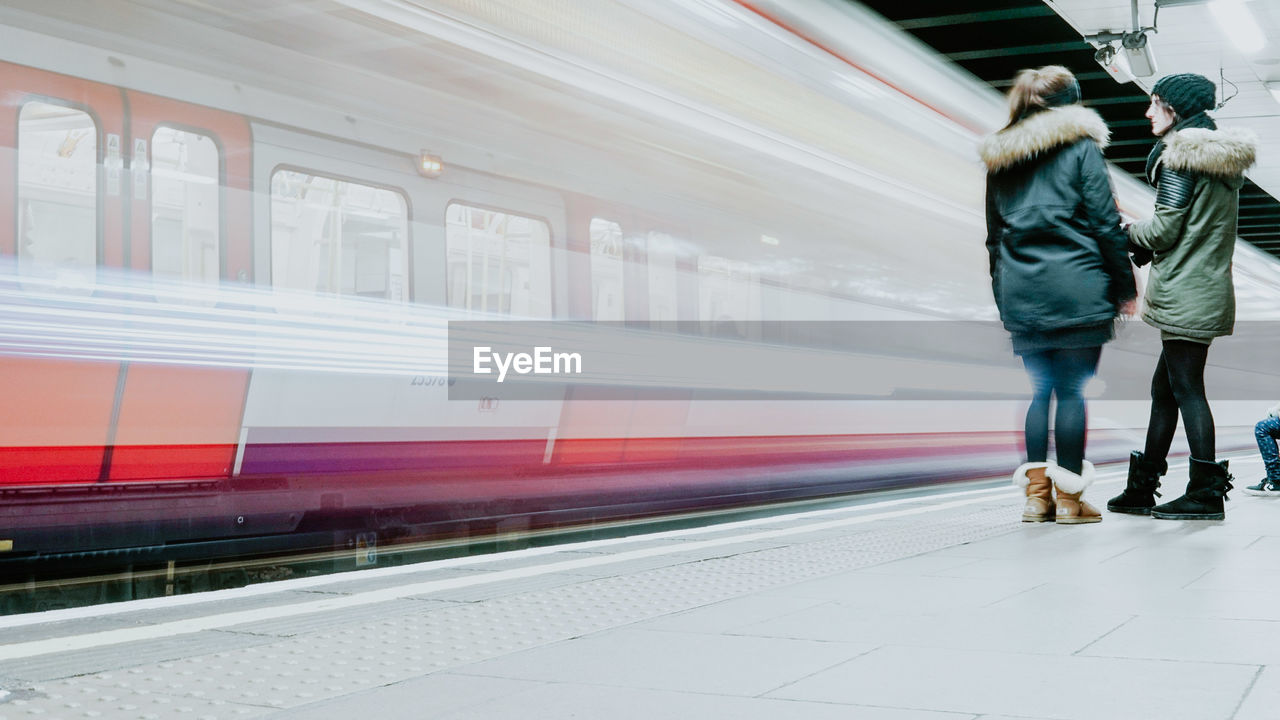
{"points": [[1238, 24], [429, 166], [1273, 87]]}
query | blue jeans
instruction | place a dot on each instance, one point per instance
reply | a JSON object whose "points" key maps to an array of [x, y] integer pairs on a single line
{"points": [[1266, 431], [1062, 373]]}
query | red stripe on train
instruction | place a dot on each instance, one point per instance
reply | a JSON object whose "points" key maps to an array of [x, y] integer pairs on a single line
{"points": [[64, 465]]}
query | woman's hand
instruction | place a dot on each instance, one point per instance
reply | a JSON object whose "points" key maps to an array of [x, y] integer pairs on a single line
{"points": [[1129, 308], [1140, 255]]}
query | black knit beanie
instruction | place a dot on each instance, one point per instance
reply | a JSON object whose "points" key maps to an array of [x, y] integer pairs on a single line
{"points": [[1187, 93]]}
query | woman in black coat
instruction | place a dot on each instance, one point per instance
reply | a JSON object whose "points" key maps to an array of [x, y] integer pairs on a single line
{"points": [[1059, 271]]}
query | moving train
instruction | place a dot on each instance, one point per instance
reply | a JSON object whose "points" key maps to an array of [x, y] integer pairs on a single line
{"points": [[233, 237]]}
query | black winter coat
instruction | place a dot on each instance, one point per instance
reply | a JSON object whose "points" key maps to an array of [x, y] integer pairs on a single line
{"points": [[1056, 248]]}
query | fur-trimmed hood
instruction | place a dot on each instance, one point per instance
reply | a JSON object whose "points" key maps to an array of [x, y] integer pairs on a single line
{"points": [[1041, 132], [1224, 153]]}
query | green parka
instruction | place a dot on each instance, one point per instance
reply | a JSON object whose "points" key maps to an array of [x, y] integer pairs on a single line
{"points": [[1193, 232]]}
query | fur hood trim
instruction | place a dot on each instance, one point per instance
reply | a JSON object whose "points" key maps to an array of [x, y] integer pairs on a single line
{"points": [[1220, 153], [1069, 482], [1041, 132], [1020, 477]]}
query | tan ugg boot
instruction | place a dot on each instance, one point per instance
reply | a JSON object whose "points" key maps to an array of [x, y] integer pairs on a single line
{"points": [[1032, 477], [1072, 510]]}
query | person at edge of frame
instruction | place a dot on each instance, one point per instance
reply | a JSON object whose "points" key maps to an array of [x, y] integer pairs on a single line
{"points": [[1197, 171], [1266, 431], [1059, 272]]}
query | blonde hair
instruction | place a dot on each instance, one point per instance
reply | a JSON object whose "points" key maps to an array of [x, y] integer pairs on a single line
{"points": [[1031, 87]]}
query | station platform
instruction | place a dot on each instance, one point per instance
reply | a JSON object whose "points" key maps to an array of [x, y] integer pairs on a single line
{"points": [[936, 606]]}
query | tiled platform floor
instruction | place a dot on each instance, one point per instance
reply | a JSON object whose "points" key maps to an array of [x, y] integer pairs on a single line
{"points": [[937, 607]]}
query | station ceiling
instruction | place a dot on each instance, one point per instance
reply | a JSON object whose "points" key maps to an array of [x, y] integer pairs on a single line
{"points": [[994, 39]]}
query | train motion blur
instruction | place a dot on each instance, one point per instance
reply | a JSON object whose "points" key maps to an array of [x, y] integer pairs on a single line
{"points": [[234, 233]]}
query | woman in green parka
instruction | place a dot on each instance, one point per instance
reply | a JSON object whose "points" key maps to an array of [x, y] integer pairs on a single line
{"points": [[1197, 170]]}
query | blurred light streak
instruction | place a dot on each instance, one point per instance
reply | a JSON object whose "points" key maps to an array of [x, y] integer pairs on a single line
{"points": [[134, 318], [658, 102], [142, 319]]}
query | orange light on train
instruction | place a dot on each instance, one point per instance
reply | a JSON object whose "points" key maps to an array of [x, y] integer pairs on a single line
{"points": [[429, 166]]}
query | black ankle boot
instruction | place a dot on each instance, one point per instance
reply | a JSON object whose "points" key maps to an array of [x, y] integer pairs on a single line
{"points": [[1209, 484], [1140, 493]]}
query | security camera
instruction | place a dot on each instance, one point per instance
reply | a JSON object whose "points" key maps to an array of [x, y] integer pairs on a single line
{"points": [[1115, 63], [1133, 59], [1137, 50]]}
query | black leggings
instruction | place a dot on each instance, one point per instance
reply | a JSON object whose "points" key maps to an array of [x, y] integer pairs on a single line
{"points": [[1063, 373], [1178, 385]]}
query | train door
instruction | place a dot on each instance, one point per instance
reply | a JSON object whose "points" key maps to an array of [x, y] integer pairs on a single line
{"points": [[333, 222], [640, 277], [664, 278], [189, 219], [658, 428], [608, 270], [507, 254], [729, 298], [607, 279], [61, 208]]}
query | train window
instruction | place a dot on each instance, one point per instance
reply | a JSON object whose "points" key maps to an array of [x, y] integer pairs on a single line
{"points": [[606, 270], [335, 236], [58, 196], [498, 262], [185, 214]]}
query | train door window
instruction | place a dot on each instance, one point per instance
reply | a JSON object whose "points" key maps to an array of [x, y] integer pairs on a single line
{"points": [[498, 262], [58, 196], [336, 236], [606, 270], [663, 283], [728, 297], [185, 212]]}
